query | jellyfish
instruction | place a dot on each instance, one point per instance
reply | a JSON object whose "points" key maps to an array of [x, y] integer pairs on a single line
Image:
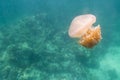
{"points": [[82, 28]]}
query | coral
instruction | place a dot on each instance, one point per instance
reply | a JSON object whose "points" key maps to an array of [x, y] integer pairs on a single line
{"points": [[34, 49]]}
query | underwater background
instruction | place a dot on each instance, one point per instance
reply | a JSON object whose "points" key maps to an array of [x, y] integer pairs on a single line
{"points": [[34, 41]]}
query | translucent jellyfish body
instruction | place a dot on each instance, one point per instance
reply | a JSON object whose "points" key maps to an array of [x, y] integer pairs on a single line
{"points": [[82, 28]]}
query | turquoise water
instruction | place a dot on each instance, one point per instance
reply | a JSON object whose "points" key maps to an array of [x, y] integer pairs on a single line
{"points": [[34, 41]]}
